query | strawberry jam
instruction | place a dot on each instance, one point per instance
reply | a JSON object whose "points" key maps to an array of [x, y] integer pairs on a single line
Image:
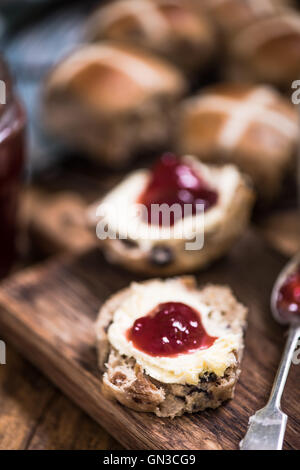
{"points": [[175, 182], [172, 328], [288, 301]]}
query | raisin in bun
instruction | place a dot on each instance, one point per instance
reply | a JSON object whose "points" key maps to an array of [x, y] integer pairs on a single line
{"points": [[251, 126], [185, 383], [148, 246], [111, 101], [171, 28]]}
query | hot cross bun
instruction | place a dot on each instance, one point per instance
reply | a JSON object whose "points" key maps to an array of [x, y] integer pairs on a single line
{"points": [[251, 126], [232, 15], [187, 382], [111, 101], [186, 241], [172, 28], [267, 50]]}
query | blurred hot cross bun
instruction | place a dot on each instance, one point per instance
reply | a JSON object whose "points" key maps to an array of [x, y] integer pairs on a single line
{"points": [[112, 101], [251, 126], [267, 49], [232, 15], [172, 28]]}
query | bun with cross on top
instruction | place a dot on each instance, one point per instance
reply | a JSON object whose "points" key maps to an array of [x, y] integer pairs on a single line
{"points": [[231, 15], [171, 28], [251, 126], [267, 49], [112, 101]]}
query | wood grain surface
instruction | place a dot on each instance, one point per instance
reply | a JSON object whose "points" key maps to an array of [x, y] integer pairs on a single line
{"points": [[48, 313], [35, 415]]}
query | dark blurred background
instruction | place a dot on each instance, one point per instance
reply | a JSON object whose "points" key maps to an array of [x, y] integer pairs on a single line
{"points": [[34, 34]]}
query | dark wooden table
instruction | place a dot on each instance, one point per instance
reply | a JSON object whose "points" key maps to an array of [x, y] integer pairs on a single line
{"points": [[35, 415]]}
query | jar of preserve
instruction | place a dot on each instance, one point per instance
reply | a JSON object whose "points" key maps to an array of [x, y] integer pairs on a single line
{"points": [[12, 147]]}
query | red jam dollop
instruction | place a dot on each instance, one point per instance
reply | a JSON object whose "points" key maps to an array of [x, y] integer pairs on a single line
{"points": [[172, 328], [175, 182], [288, 301]]}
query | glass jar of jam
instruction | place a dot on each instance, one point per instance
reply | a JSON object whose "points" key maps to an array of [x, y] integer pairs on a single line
{"points": [[12, 126]]}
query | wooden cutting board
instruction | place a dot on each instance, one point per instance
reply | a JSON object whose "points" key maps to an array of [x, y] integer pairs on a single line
{"points": [[48, 312]]}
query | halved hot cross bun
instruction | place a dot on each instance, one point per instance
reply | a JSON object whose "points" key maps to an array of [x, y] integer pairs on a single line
{"points": [[165, 314], [153, 246], [111, 100], [251, 126], [172, 28]]}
